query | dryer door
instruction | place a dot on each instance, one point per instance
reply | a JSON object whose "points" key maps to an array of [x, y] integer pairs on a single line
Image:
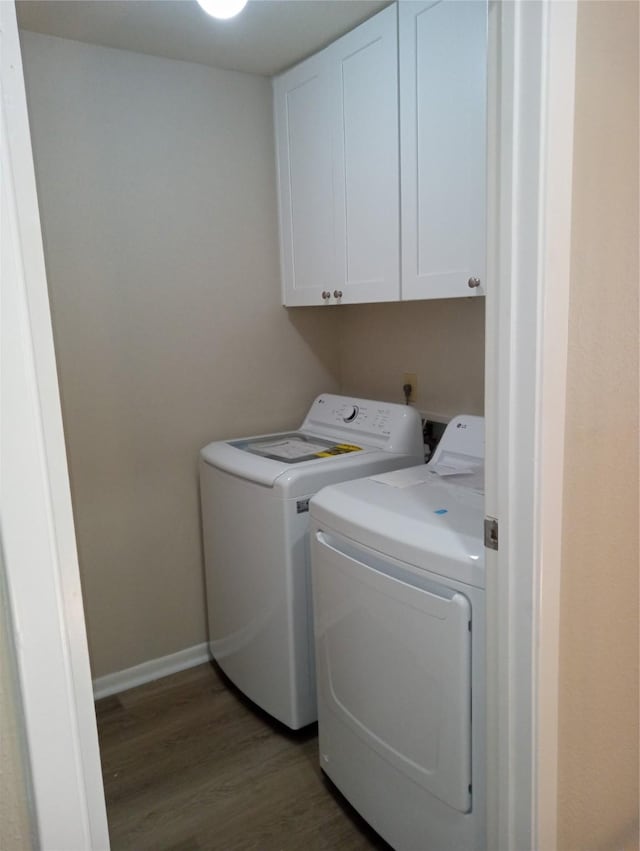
{"points": [[393, 660]]}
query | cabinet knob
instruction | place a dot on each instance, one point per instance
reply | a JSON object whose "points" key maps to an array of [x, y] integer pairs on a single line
{"points": [[474, 282], [337, 293], [326, 294]]}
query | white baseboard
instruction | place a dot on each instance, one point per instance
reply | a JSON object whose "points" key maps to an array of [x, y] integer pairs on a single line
{"points": [[154, 669]]}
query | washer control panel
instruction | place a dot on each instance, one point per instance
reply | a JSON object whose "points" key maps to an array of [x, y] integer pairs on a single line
{"points": [[395, 427], [351, 413]]}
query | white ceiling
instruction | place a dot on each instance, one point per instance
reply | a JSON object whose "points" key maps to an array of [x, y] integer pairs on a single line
{"points": [[266, 37]]}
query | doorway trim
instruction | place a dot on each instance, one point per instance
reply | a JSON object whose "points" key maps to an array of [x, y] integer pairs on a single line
{"points": [[42, 581], [533, 85]]}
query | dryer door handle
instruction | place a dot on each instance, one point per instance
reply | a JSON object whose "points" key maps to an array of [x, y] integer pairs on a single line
{"points": [[385, 566]]}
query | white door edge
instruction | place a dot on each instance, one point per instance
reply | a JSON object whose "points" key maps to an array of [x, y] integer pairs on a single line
{"points": [[39, 550], [527, 319]]}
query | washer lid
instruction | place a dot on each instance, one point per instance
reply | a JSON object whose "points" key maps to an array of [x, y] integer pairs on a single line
{"points": [[264, 458], [293, 447], [432, 524]]}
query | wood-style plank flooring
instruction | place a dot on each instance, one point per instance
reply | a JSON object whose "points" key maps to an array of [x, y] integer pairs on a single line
{"points": [[189, 764]]}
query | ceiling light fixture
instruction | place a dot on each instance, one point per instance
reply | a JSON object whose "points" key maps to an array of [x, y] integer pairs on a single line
{"points": [[222, 9]]}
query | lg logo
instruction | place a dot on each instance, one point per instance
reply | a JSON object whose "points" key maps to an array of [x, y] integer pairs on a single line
{"points": [[461, 425]]}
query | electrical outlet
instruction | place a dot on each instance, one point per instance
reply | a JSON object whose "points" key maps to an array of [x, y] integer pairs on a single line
{"points": [[412, 379]]}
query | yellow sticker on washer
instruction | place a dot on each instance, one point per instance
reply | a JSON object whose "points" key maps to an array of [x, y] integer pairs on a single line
{"points": [[338, 449]]}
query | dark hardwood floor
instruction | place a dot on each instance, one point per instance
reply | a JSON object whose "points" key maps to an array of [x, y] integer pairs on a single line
{"points": [[189, 763]]}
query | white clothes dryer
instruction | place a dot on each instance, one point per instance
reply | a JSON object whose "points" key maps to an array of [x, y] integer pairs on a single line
{"points": [[399, 618], [255, 501]]}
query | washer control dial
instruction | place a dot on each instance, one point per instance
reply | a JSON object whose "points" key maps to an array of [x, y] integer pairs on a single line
{"points": [[350, 413]]}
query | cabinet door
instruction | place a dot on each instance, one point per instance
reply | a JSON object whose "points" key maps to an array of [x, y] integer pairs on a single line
{"points": [[304, 149], [443, 83], [365, 94]]}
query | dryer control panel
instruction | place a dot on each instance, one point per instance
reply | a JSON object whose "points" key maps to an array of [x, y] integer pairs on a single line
{"points": [[393, 427]]}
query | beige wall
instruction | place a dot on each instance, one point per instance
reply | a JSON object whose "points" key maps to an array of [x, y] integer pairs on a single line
{"points": [[598, 759], [156, 183], [441, 341], [15, 824]]}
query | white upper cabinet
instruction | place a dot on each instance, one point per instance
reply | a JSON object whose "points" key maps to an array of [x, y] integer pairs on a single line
{"points": [[365, 66], [336, 119], [304, 150], [356, 159], [443, 85]]}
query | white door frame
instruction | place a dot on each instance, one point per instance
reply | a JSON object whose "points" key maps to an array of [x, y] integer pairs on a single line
{"points": [[527, 321], [527, 306], [38, 542]]}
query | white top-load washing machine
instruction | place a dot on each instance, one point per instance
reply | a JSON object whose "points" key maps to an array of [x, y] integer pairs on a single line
{"points": [[399, 617], [255, 503]]}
